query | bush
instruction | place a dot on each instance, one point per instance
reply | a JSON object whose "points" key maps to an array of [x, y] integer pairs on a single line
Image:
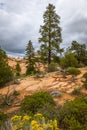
{"points": [[68, 60], [37, 122], [74, 71], [85, 76], [85, 82], [74, 124], [77, 91], [74, 110], [52, 67], [85, 85], [32, 104], [3, 118], [8, 98], [16, 93], [49, 111], [30, 70]]}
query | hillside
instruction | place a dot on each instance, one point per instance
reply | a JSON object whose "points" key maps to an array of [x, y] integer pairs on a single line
{"points": [[13, 61], [49, 82]]}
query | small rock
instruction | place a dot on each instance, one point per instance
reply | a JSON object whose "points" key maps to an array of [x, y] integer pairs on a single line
{"points": [[16, 81], [55, 94], [83, 79]]}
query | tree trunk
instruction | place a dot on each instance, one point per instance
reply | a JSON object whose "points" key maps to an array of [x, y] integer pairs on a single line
{"points": [[49, 54]]}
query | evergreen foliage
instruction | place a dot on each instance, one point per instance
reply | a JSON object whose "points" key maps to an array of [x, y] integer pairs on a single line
{"points": [[73, 115], [79, 51], [85, 82], [32, 104], [50, 34], [74, 71], [3, 118], [5, 71], [18, 69], [52, 67], [68, 60], [30, 58]]}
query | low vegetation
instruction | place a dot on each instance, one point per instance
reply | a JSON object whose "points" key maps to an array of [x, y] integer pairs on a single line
{"points": [[74, 72], [85, 81], [3, 118], [52, 67], [72, 115], [77, 91], [68, 60], [33, 103]]}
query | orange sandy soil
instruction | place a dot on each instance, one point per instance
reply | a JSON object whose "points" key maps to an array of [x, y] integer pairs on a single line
{"points": [[50, 82]]}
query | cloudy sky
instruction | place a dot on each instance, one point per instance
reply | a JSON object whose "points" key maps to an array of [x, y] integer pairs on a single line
{"points": [[20, 22]]}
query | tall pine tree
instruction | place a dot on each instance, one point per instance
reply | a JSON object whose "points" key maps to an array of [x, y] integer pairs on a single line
{"points": [[50, 33]]}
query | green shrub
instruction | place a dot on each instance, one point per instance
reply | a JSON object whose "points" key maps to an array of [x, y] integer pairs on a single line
{"points": [[52, 67], [3, 118], [85, 82], [76, 110], [68, 60], [85, 85], [85, 76], [77, 91], [49, 111], [74, 71], [74, 124], [8, 98], [30, 70], [32, 104], [16, 93]]}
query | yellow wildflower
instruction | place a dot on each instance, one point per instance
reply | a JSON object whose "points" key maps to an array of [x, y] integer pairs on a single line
{"points": [[15, 118]]}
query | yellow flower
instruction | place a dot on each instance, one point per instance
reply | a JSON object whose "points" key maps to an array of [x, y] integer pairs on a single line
{"points": [[15, 127], [15, 118], [26, 118], [40, 128], [39, 123], [44, 126], [38, 115]]}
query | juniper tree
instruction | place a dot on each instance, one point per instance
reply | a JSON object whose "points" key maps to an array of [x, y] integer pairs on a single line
{"points": [[50, 33]]}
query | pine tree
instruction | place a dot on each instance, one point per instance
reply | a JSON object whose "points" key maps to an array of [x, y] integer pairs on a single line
{"points": [[80, 51], [30, 58], [50, 33], [5, 71], [18, 69]]}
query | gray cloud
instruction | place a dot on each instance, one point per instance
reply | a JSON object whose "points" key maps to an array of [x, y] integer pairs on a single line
{"points": [[77, 29], [74, 22], [20, 22]]}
